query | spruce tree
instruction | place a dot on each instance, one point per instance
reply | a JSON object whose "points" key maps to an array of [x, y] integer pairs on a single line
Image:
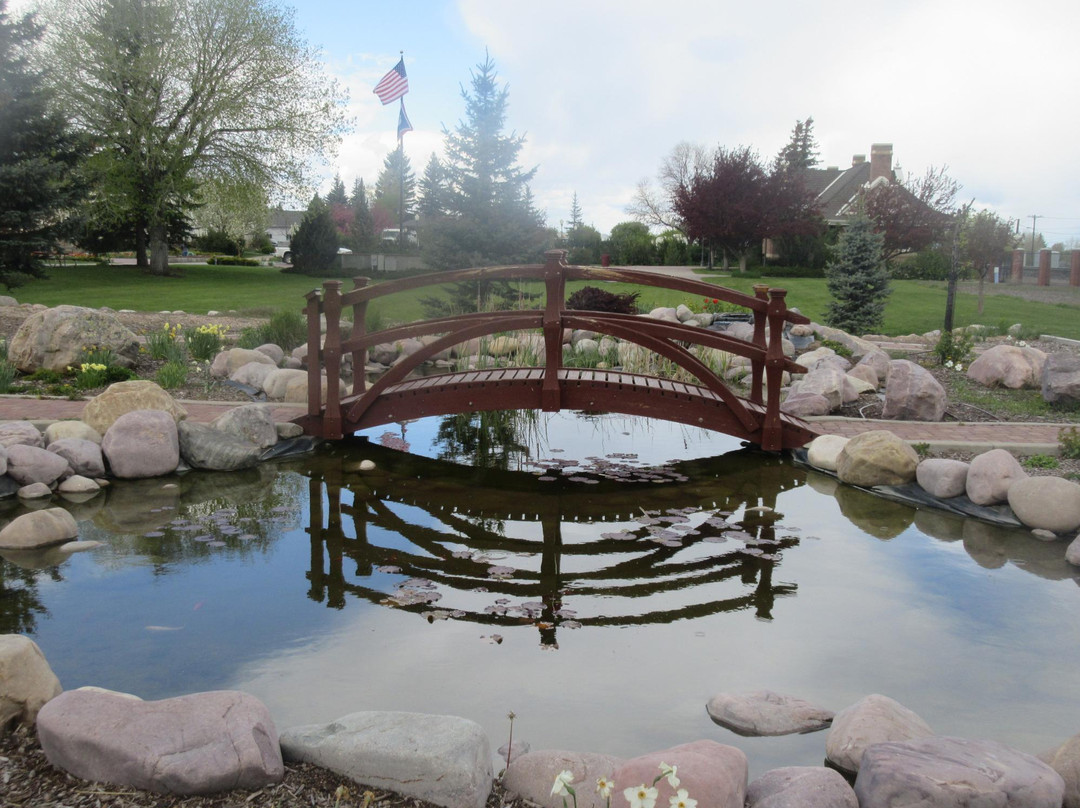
{"points": [[315, 244], [432, 202], [396, 167], [362, 228], [337, 193], [801, 150], [38, 157], [857, 280], [575, 213]]}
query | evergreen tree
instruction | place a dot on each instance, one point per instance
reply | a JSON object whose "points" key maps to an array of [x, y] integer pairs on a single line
{"points": [[857, 280], [359, 194], [362, 229], [575, 213], [391, 181], [37, 157], [801, 150], [315, 244], [432, 202], [337, 193]]}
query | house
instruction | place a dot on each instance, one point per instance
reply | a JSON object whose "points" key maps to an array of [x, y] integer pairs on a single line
{"points": [[283, 224], [837, 190]]}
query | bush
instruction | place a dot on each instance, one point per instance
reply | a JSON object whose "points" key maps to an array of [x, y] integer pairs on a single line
{"points": [[286, 329], [1070, 443], [172, 375], [261, 244], [315, 244], [953, 350], [218, 241], [928, 265], [93, 374], [204, 342], [590, 298], [784, 272], [232, 261]]}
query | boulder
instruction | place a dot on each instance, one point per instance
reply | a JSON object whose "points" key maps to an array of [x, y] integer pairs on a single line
{"points": [[1049, 503], [990, 476], [1061, 379], [227, 362], [54, 339], [142, 443], [801, 787], [665, 313], [824, 451], [383, 353], [253, 374], [855, 387], [955, 773], [859, 347], [503, 346], [250, 422], [713, 773], [34, 491], [59, 430], [77, 484], [912, 393], [277, 382], [202, 743], [865, 372], [941, 477], [26, 680], [811, 359], [1008, 366], [204, 447], [1072, 552], [872, 720], [38, 529], [13, 433], [296, 391], [275, 352], [442, 759], [764, 712], [874, 458], [103, 409], [1065, 760], [287, 429], [825, 379], [804, 405], [83, 456], [879, 361], [530, 776], [28, 464]]}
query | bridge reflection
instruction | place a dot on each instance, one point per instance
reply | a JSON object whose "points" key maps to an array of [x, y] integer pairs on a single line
{"points": [[438, 539]]}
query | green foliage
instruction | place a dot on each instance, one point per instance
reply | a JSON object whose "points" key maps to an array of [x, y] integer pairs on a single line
{"points": [[715, 305], [953, 349], [926, 265], [784, 272], [857, 280], [1069, 438], [584, 245], [837, 347], [97, 355], [8, 371], [286, 329], [218, 241], [232, 261], [161, 343], [93, 374], [631, 244], [172, 375], [261, 244], [315, 243], [590, 298], [45, 376], [1040, 461], [204, 342], [922, 449]]}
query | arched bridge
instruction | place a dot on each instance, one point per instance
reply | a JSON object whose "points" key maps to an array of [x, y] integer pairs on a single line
{"points": [[396, 396]]}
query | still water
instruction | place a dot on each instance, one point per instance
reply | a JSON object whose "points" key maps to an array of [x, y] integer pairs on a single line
{"points": [[600, 576]]}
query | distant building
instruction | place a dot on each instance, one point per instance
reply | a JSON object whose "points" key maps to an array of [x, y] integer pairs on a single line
{"points": [[283, 224], [838, 189]]}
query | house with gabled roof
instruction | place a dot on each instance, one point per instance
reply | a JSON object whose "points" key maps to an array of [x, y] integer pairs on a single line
{"points": [[837, 190]]}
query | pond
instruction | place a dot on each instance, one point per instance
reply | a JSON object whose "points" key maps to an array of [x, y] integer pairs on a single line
{"points": [[601, 577]]}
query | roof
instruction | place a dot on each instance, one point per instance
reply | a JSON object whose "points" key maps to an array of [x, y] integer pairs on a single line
{"points": [[285, 219], [836, 188]]}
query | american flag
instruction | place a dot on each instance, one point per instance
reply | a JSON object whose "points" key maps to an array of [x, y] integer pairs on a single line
{"points": [[403, 124], [394, 84]]}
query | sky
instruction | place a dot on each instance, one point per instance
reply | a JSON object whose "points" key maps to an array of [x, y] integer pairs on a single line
{"points": [[604, 89]]}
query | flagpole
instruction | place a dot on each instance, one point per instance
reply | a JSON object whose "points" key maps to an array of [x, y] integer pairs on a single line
{"points": [[401, 175]]}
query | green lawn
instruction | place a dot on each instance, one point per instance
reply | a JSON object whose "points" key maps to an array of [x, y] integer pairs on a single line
{"points": [[913, 307]]}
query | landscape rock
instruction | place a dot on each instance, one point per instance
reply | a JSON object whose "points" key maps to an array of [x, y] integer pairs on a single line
{"points": [[77, 484], [503, 346], [865, 372], [990, 476], [13, 433], [803, 405], [858, 346], [530, 776], [1061, 379], [825, 379], [277, 382], [764, 712], [871, 720], [954, 773], [383, 353], [912, 393], [810, 359], [941, 477], [876, 457], [38, 529], [54, 339], [824, 451], [855, 387], [275, 352], [142, 443], [879, 361], [287, 429], [29, 464], [102, 410], [83, 456], [58, 430], [801, 787], [713, 773], [26, 680], [202, 743], [1065, 760], [227, 362], [296, 391], [442, 759], [253, 374], [1072, 552], [250, 422], [1009, 366], [34, 491], [204, 447], [1049, 503]]}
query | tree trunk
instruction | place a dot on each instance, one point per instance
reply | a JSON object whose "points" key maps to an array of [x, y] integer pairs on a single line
{"points": [[141, 259], [159, 250], [742, 263], [982, 280]]}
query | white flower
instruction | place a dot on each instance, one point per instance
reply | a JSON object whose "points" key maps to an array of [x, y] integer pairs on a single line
{"points": [[682, 800], [604, 787], [959, 368], [562, 780], [1022, 344], [642, 796], [669, 772], [948, 363]]}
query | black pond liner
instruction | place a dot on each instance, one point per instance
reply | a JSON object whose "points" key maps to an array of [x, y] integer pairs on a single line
{"points": [[915, 495], [290, 448]]}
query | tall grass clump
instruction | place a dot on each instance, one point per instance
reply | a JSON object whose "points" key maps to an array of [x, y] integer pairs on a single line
{"points": [[8, 371]]}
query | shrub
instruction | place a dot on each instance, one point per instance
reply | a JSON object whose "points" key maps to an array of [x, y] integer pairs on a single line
{"points": [[1040, 461], [857, 280], [928, 265], [204, 342], [286, 328], [232, 261], [953, 350], [1070, 442], [172, 374], [250, 337], [218, 241], [93, 374], [261, 244], [837, 348], [590, 298]]}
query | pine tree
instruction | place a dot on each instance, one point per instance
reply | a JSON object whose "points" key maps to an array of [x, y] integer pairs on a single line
{"points": [[337, 193], [575, 213], [390, 183], [37, 157], [362, 228], [801, 150], [432, 202], [359, 194], [315, 244], [857, 280]]}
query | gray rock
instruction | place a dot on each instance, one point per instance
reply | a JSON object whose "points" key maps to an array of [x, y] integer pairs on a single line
{"points": [[253, 374], [1072, 552], [26, 680], [1065, 760], [29, 464], [102, 410], [855, 387], [824, 451], [53, 339], [1061, 378], [1008, 366], [991, 475], [58, 430], [865, 372], [292, 363], [197, 744], [227, 362], [713, 773], [77, 484], [803, 405], [204, 447], [83, 456], [38, 529], [13, 433], [531, 775], [250, 422], [955, 773], [872, 720], [801, 787], [942, 477], [912, 393], [276, 383], [275, 352], [442, 759], [825, 379], [764, 712], [287, 429], [859, 347], [142, 443], [1050, 503], [34, 491], [874, 458]]}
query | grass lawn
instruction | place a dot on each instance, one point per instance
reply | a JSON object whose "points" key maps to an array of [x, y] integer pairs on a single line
{"points": [[913, 307]]}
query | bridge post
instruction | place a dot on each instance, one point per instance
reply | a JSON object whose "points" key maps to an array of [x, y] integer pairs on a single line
{"points": [[772, 430], [314, 359], [761, 292], [359, 328], [332, 359], [555, 288]]}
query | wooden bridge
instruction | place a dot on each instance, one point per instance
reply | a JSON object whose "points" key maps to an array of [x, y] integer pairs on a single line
{"points": [[396, 397]]}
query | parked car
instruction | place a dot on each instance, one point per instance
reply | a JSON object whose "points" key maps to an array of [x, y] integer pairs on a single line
{"points": [[285, 253]]}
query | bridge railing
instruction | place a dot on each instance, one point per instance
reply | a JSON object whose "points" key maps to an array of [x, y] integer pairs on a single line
{"points": [[667, 339]]}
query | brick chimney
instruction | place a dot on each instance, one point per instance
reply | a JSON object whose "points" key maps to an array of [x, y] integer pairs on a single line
{"points": [[857, 160], [881, 161]]}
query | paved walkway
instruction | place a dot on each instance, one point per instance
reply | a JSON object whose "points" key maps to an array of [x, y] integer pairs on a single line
{"points": [[1023, 437]]}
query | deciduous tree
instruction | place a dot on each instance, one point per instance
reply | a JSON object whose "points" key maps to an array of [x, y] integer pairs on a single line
{"points": [[914, 215], [984, 240]]}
